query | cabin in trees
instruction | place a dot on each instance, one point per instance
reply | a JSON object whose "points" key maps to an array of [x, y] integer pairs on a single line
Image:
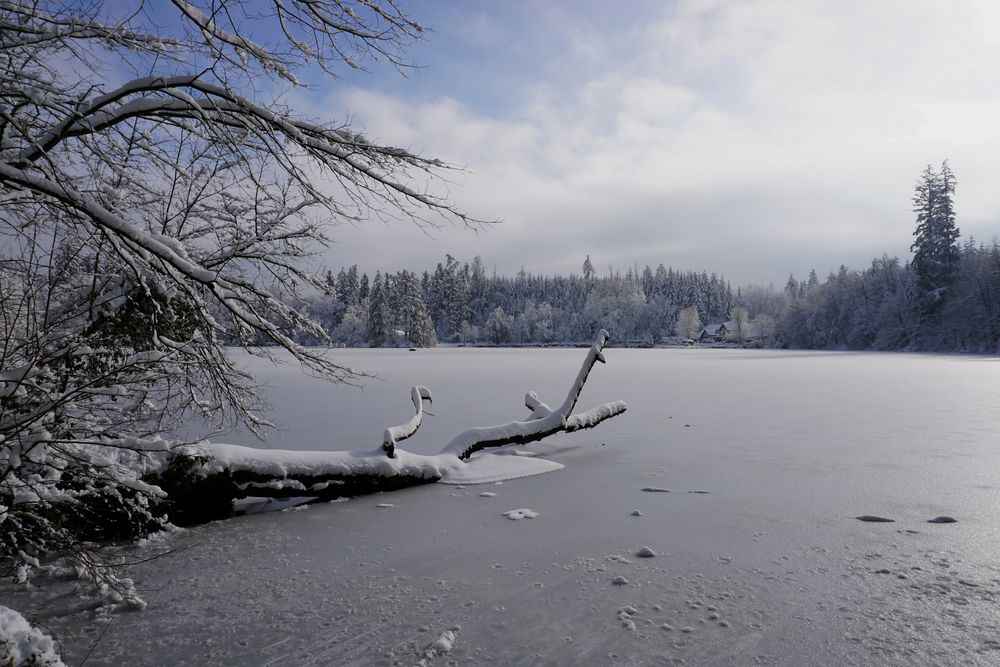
{"points": [[715, 333]]}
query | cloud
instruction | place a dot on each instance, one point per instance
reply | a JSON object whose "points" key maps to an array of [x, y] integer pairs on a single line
{"points": [[478, 28], [754, 138]]}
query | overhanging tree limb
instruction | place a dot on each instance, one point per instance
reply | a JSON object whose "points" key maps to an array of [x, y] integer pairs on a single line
{"points": [[146, 224]]}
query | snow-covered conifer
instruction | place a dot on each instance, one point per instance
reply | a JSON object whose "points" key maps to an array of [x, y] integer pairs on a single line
{"points": [[935, 244], [417, 326], [379, 331]]}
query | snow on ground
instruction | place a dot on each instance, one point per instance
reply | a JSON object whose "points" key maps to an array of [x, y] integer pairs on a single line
{"points": [[22, 644], [771, 567]]}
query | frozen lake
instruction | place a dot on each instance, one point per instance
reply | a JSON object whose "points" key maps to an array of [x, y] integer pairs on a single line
{"points": [[768, 566]]}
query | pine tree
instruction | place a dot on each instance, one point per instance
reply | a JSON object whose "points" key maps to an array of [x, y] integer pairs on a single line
{"points": [[417, 325], [588, 269], [935, 246], [792, 287], [378, 313], [348, 287], [392, 286], [449, 300], [331, 285], [365, 287]]}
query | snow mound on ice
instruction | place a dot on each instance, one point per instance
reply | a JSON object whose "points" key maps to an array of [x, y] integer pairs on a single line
{"points": [[488, 467], [21, 644], [443, 644], [517, 515]]}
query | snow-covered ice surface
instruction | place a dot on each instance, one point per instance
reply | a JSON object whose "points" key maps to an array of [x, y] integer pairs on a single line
{"points": [[771, 567]]}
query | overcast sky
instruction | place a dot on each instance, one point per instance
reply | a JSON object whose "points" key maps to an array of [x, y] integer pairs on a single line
{"points": [[754, 139]]}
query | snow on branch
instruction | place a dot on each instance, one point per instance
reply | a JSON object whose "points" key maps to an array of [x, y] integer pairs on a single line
{"points": [[247, 471], [394, 434], [543, 421], [151, 223]]}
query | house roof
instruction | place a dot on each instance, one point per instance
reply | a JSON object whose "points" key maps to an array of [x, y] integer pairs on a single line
{"points": [[717, 329]]}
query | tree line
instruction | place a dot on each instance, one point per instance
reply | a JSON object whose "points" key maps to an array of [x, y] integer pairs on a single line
{"points": [[947, 298], [460, 303]]}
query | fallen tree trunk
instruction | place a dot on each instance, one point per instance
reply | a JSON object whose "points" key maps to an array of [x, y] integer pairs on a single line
{"points": [[203, 480]]}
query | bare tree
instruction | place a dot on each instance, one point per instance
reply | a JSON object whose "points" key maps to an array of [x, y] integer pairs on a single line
{"points": [[157, 198], [688, 323], [740, 319]]}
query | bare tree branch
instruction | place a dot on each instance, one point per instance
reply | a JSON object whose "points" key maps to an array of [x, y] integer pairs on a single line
{"points": [[156, 207]]}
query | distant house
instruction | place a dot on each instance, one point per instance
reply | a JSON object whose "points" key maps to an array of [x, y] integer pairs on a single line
{"points": [[716, 332]]}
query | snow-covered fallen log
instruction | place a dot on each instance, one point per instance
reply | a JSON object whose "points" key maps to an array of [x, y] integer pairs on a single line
{"points": [[203, 480]]}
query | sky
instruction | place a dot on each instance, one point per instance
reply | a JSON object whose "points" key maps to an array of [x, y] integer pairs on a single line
{"points": [[752, 138]]}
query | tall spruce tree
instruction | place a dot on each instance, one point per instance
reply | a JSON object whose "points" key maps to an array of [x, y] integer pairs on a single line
{"points": [[378, 313], [417, 325], [365, 287], [935, 245]]}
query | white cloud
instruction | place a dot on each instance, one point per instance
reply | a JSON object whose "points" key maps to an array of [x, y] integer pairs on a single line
{"points": [[752, 138]]}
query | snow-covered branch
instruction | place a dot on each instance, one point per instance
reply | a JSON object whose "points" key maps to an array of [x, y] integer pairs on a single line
{"points": [[394, 434], [543, 421], [225, 472], [148, 223]]}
